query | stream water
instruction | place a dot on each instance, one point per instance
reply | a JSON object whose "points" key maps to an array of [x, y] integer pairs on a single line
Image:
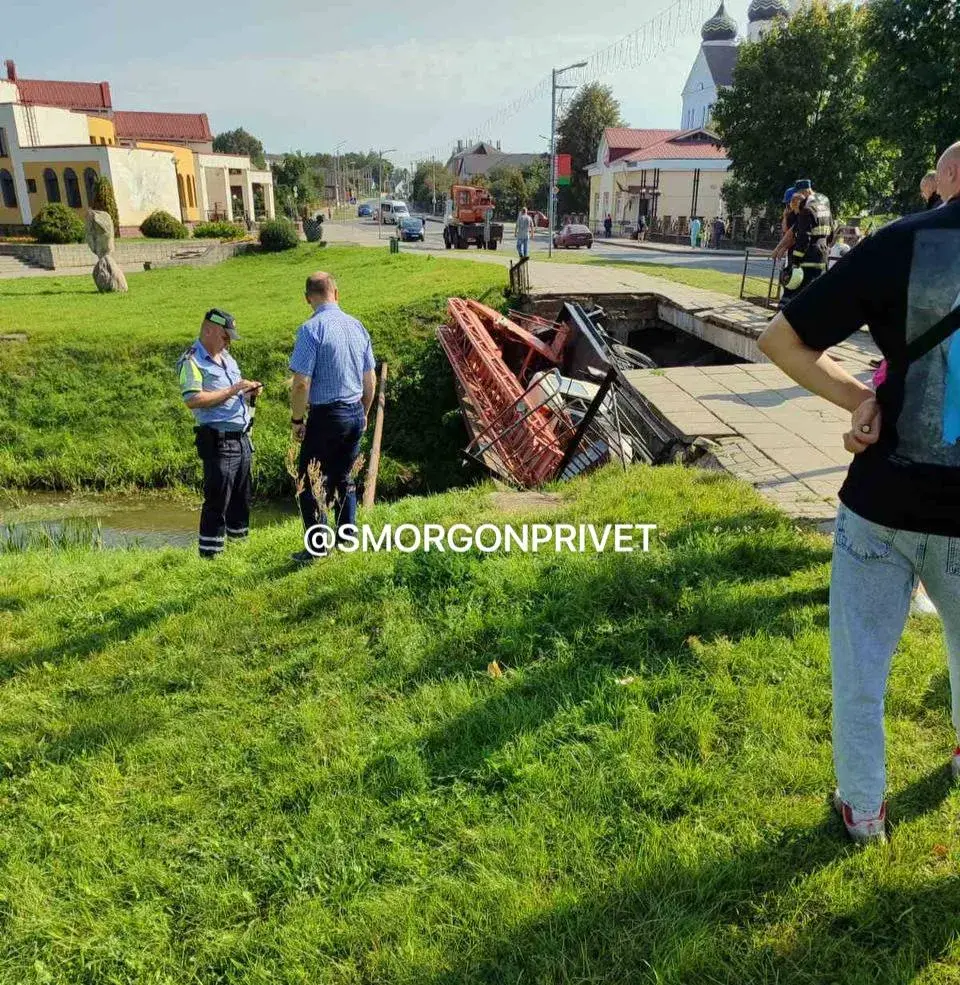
{"points": [[29, 518]]}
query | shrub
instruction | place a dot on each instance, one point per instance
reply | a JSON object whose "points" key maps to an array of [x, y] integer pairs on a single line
{"points": [[104, 201], [219, 230], [162, 225], [278, 234], [57, 224]]}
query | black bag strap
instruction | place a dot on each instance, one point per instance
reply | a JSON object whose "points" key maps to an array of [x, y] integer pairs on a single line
{"points": [[933, 336]]}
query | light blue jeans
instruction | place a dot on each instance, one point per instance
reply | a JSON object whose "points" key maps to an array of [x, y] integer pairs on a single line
{"points": [[523, 247], [875, 569]]}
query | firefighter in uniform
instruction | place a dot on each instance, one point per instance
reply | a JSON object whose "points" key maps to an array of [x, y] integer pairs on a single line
{"points": [[811, 234], [223, 407]]}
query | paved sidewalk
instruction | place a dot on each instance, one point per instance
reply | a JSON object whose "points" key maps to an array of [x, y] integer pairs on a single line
{"points": [[767, 431], [682, 249]]}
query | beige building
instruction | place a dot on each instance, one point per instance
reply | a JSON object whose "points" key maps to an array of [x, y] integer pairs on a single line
{"points": [[659, 174], [58, 138]]}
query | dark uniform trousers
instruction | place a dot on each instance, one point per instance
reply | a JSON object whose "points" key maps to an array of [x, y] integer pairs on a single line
{"points": [[227, 458], [332, 440]]}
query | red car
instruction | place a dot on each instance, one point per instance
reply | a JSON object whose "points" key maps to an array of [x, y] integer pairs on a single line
{"points": [[572, 235]]}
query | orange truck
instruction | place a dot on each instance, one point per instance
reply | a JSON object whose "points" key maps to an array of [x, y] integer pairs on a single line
{"points": [[469, 219]]}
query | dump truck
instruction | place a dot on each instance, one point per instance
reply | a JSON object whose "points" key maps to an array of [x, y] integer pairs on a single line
{"points": [[469, 219]]}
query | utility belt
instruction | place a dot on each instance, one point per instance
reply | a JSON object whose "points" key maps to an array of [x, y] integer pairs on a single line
{"points": [[209, 439]]}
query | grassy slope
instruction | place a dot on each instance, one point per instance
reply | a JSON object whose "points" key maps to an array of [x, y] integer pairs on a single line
{"points": [[92, 400], [243, 773]]}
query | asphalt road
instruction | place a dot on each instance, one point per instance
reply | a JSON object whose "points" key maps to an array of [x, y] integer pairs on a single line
{"points": [[724, 263]]}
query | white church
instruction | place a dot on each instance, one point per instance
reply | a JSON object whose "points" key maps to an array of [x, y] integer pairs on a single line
{"points": [[714, 66], [674, 175]]}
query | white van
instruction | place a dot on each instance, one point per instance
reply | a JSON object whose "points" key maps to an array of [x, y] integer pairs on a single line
{"points": [[393, 210]]}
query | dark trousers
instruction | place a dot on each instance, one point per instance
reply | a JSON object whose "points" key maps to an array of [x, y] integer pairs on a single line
{"points": [[227, 488], [332, 440]]}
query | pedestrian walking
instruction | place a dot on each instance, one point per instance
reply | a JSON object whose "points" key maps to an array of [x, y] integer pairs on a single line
{"points": [[525, 232], [608, 226], [223, 405], [718, 230], [641, 228], [694, 231], [899, 519], [333, 372]]}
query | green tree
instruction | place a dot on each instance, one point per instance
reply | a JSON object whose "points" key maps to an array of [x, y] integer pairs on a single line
{"points": [[430, 177], [105, 201], [913, 49], [508, 187], [537, 177], [240, 142], [294, 183], [590, 112], [796, 109]]}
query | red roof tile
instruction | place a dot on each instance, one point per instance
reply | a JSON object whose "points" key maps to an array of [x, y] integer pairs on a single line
{"points": [[192, 127], [680, 146], [627, 138], [87, 96]]}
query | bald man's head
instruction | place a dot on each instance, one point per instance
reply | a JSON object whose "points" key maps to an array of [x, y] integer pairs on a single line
{"points": [[321, 287], [948, 173]]}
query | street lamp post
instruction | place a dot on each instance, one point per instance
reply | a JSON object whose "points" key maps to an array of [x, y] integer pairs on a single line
{"points": [[554, 88], [390, 150], [336, 172]]}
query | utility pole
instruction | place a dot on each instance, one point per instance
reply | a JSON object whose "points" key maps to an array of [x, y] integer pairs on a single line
{"points": [[554, 89]]}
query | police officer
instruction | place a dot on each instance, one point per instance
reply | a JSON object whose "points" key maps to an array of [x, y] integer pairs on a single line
{"points": [[811, 233], [223, 406]]}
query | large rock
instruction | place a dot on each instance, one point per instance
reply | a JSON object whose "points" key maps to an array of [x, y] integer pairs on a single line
{"points": [[100, 233], [108, 276]]}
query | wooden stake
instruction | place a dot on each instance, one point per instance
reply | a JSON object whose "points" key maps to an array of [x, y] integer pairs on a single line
{"points": [[370, 483]]}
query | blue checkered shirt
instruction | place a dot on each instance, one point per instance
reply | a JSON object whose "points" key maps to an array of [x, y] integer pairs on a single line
{"points": [[334, 350]]}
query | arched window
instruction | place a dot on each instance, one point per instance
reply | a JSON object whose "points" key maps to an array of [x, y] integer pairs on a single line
{"points": [[90, 184], [8, 194], [52, 185], [72, 188]]}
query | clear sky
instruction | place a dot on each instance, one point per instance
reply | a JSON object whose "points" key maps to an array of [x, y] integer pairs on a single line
{"points": [[409, 74]]}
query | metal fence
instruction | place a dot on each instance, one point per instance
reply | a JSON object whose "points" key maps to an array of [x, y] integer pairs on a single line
{"points": [[520, 277], [761, 289]]}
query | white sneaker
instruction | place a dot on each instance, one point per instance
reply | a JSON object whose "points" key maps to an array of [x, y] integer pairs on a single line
{"points": [[862, 828], [921, 604]]}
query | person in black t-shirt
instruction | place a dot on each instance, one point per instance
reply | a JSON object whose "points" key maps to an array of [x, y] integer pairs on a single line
{"points": [[899, 518]]}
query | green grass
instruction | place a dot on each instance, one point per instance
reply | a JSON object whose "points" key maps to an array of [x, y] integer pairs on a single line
{"points": [[91, 399], [709, 280], [240, 772]]}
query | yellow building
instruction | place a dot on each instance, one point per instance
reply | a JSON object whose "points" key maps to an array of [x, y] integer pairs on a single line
{"points": [[102, 131], [58, 138], [185, 163]]}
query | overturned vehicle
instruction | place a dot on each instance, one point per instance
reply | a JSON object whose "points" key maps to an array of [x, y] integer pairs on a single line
{"points": [[548, 400]]}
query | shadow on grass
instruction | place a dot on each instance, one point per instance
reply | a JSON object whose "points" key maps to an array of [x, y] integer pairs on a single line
{"points": [[670, 920], [737, 919], [575, 626]]}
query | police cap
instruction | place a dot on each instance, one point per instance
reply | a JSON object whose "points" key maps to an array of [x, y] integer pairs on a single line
{"points": [[788, 194], [804, 184], [224, 319]]}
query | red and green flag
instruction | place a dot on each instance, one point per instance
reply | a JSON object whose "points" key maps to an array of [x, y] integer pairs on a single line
{"points": [[564, 169]]}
